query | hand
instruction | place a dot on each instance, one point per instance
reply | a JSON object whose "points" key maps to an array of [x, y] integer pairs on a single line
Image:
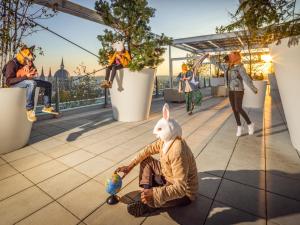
{"points": [[124, 169], [118, 56], [147, 196]]}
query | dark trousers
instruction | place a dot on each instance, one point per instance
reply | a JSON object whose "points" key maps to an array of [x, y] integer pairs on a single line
{"points": [[236, 102], [111, 71], [188, 101], [151, 175]]}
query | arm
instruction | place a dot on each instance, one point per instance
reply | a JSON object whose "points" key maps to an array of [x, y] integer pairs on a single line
{"points": [[189, 75], [177, 189], [112, 58], [179, 77], [11, 74], [246, 78], [221, 66]]}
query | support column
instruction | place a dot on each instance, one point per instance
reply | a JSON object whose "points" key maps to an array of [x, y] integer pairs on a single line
{"points": [[170, 68]]}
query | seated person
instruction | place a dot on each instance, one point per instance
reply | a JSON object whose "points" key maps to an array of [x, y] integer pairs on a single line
{"points": [[20, 72], [171, 181], [117, 61]]}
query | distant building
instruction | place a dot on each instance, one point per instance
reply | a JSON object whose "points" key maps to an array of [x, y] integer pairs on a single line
{"points": [[42, 76], [63, 76]]}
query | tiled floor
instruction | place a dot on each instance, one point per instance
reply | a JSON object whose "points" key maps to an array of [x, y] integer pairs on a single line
{"points": [[59, 178]]}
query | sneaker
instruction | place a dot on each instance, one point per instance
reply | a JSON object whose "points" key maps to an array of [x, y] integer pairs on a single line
{"points": [[49, 110], [239, 131], [31, 116], [104, 84], [251, 129], [138, 209]]}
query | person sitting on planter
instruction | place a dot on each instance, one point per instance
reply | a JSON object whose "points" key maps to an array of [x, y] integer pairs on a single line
{"points": [[185, 85], [20, 72], [235, 74], [168, 182], [117, 61]]}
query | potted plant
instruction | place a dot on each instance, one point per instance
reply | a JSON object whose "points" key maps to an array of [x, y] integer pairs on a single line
{"points": [[131, 93], [278, 22]]}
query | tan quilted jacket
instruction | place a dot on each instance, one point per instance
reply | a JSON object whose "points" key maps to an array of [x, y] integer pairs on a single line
{"points": [[179, 169]]}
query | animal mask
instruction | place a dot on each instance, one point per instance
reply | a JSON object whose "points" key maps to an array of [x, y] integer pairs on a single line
{"points": [[118, 46], [167, 129], [25, 55], [235, 58], [184, 68]]}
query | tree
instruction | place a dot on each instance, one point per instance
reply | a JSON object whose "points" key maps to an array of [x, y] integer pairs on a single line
{"points": [[129, 20], [16, 23]]}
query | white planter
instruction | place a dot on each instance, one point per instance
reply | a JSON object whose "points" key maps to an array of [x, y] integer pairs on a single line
{"points": [[217, 81], [14, 127], [287, 69], [131, 94], [252, 100]]}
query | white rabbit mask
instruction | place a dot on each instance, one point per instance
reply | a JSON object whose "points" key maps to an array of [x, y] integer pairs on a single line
{"points": [[118, 46], [167, 129]]}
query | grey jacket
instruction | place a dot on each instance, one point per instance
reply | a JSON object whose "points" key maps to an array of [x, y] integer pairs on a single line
{"points": [[189, 75], [236, 75]]}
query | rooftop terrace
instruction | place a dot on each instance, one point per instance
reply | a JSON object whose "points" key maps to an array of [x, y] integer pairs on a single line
{"points": [[59, 178]]}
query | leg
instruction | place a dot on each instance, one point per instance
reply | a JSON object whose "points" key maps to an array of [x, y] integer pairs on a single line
{"points": [[30, 86], [239, 106], [232, 99], [107, 72], [187, 101], [48, 91], [149, 168], [114, 71]]}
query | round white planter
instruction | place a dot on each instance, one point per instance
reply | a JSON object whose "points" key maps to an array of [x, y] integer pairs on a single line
{"points": [[287, 70], [131, 94], [252, 100], [14, 127]]}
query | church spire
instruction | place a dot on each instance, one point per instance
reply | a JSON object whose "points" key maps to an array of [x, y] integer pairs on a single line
{"points": [[50, 74], [42, 76], [62, 66]]}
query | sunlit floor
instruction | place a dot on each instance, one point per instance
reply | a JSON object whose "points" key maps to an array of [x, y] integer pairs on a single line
{"points": [[59, 178]]}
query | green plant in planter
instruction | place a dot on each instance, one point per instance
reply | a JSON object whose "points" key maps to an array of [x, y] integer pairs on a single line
{"points": [[129, 20]]}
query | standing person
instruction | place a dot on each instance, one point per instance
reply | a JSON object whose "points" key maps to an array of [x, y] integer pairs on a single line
{"points": [[117, 61], [186, 86], [235, 74], [20, 72]]}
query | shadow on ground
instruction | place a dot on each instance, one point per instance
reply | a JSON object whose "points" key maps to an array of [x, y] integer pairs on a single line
{"points": [[212, 211]]}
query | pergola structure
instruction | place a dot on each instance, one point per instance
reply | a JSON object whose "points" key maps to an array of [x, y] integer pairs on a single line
{"points": [[221, 43]]}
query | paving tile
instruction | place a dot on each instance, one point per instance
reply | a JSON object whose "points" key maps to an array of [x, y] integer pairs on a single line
{"points": [[2, 162], [192, 214], [60, 150], [255, 178], [12, 185], [117, 154], [242, 197], [283, 186], [17, 207], [94, 166], [6, 170], [226, 215], [30, 161], [52, 214], [282, 210], [212, 164], [113, 215], [75, 158], [62, 183], [84, 199], [158, 219], [37, 139], [47, 144], [15, 155], [208, 184], [44, 171]]}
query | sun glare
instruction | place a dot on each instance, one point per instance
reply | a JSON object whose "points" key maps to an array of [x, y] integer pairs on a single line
{"points": [[266, 58]]}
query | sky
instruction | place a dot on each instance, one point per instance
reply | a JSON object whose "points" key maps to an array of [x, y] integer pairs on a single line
{"points": [[175, 18]]}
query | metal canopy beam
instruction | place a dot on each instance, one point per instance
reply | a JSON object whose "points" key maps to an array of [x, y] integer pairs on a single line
{"points": [[72, 9]]}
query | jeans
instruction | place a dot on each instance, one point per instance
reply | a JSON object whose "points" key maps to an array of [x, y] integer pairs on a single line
{"points": [[31, 85], [113, 69], [236, 102]]}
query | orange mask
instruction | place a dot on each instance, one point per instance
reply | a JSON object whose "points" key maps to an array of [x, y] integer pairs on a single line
{"points": [[184, 68], [235, 58]]}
